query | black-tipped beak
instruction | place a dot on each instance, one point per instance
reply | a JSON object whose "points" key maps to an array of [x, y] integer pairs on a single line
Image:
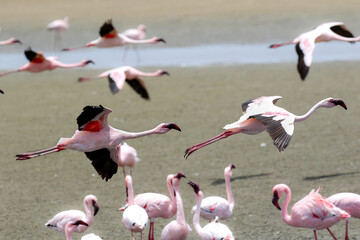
{"points": [[17, 41], [195, 186], [340, 102], [275, 200], [180, 175], [161, 40], [172, 126], [165, 73], [90, 61], [96, 207], [232, 166]]}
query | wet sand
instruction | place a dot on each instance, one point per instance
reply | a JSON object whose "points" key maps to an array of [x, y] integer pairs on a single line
{"points": [[38, 109]]}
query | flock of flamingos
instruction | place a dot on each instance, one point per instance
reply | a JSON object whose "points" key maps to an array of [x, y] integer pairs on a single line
{"points": [[104, 146]]}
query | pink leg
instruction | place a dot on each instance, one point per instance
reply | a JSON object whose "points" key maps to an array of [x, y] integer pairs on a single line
{"points": [[346, 231], [132, 235], [151, 229], [331, 234], [152, 234], [315, 235], [29, 155]]}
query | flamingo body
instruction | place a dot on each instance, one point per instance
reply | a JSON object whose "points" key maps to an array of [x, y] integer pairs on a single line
{"points": [[59, 24], [91, 236]]}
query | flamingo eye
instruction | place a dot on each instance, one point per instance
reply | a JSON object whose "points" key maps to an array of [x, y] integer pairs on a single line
{"points": [[133, 224]]}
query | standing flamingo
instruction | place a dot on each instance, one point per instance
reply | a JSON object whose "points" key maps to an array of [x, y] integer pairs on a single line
{"points": [[91, 236], [213, 230], [59, 221], [261, 114], [214, 206], [127, 156], [135, 217], [10, 41], [305, 43], [349, 202], [177, 229], [38, 63], [313, 211], [109, 37], [58, 26], [70, 227], [138, 33], [98, 140], [118, 76]]}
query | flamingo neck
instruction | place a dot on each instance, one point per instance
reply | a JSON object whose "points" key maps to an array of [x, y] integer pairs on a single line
{"points": [[172, 193], [68, 231], [180, 216], [229, 192], [284, 208], [308, 114], [130, 194], [88, 213], [196, 218], [130, 135]]}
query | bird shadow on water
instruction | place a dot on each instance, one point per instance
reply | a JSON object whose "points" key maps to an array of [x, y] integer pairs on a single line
{"points": [[222, 181], [328, 176]]}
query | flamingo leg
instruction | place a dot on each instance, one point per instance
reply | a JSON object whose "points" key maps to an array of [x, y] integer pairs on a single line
{"points": [[346, 231], [132, 235], [315, 235], [151, 230], [29, 155], [331, 233]]}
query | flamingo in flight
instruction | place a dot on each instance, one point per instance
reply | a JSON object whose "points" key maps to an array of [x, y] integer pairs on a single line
{"points": [[118, 76], [10, 41], [261, 114], [313, 211], [98, 140], [70, 227], [38, 63], [58, 26], [349, 202], [214, 206], [138, 33], [305, 42], [60, 220], [213, 230], [109, 37]]}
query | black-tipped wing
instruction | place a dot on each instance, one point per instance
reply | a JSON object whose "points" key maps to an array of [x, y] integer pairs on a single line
{"points": [[88, 114], [245, 105], [30, 54], [112, 85], [106, 28], [102, 162], [302, 68], [342, 31], [139, 86]]}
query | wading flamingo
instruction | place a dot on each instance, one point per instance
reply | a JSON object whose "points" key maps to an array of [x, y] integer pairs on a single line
{"points": [[177, 229], [213, 230], [135, 217], [91, 236], [59, 221], [349, 202], [98, 140], [313, 211], [214, 206], [10, 41], [261, 114], [38, 63], [70, 227], [138, 33], [109, 37], [305, 43], [118, 76], [58, 26]]}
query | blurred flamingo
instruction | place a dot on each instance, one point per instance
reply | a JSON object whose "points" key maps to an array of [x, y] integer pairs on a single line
{"points": [[313, 211], [58, 26], [38, 63], [91, 236], [213, 230], [98, 140], [109, 37], [305, 43], [138, 33], [70, 227], [214, 206], [261, 114], [127, 157], [118, 76], [349, 202], [10, 41]]}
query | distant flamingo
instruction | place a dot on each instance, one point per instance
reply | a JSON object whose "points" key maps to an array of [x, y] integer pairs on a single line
{"points": [[91, 236], [213, 230], [313, 211], [109, 37], [135, 217], [118, 76], [59, 221], [261, 114], [214, 206], [38, 63], [138, 33], [305, 43], [349, 202], [70, 227], [58, 26], [98, 140], [10, 41], [177, 229], [127, 157], [158, 205]]}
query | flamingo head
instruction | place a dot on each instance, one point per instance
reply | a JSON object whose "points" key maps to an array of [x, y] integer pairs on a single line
{"points": [[180, 175], [159, 40], [89, 61], [91, 199], [165, 127], [16, 41], [162, 72], [278, 191], [195, 186], [332, 102], [228, 169]]}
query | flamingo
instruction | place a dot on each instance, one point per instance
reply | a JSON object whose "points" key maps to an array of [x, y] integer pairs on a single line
{"points": [[10, 41], [261, 114], [109, 37], [91, 236], [138, 33], [98, 140], [59, 221], [214, 206], [213, 230], [58, 26], [118, 76], [135, 217], [305, 43], [177, 229], [70, 227], [158, 205], [349, 202], [313, 211], [127, 156], [38, 63]]}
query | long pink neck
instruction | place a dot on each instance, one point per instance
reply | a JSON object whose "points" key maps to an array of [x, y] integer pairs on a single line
{"points": [[228, 191], [88, 213], [68, 231], [6, 73], [72, 65], [180, 216], [308, 114], [284, 208], [172, 193], [130, 135], [196, 218], [130, 193]]}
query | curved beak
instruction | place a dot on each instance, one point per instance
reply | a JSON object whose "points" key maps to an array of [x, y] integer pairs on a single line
{"points": [[96, 207], [165, 73], [17, 41], [180, 175], [161, 40], [340, 102], [172, 126], [89, 61], [275, 200], [195, 186]]}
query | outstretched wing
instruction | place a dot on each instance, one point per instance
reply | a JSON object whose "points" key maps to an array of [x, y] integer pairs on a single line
{"points": [[92, 118], [116, 81], [304, 50], [107, 30], [139, 86], [102, 161], [259, 105], [342, 31]]}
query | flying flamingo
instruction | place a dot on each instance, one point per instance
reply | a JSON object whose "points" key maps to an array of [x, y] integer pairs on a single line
{"points": [[305, 43], [313, 211], [109, 37], [214, 206], [135, 217], [98, 140], [91, 236], [213, 230], [10, 41], [58, 26], [138, 33], [177, 229], [261, 114], [59, 221], [70, 227], [38, 63], [349, 202], [118, 76]]}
